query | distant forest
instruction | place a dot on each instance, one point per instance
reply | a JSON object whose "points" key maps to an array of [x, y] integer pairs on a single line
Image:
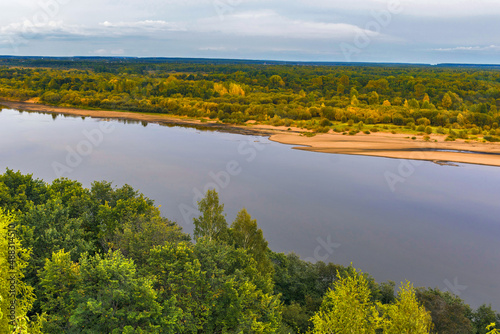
{"points": [[459, 101], [103, 260]]}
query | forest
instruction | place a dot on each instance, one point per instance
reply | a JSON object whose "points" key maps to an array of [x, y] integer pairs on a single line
{"points": [[459, 102], [103, 260]]}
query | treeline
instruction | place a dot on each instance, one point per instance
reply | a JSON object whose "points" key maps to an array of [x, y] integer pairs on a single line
{"points": [[463, 100], [103, 260]]}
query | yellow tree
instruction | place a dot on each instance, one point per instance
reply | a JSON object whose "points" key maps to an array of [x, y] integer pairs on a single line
{"points": [[17, 296], [446, 102], [406, 315], [347, 307]]}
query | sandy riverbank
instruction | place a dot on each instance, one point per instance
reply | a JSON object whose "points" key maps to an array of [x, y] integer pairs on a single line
{"points": [[376, 144]]}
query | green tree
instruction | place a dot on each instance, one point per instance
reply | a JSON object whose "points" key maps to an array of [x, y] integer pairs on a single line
{"points": [[344, 80], [449, 313], [245, 234], [276, 81], [59, 277], [182, 288], [111, 297], [47, 228], [340, 89], [212, 222], [373, 98], [483, 316], [137, 237]]}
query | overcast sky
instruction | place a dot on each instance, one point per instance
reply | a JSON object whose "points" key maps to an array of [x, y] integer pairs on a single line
{"points": [[416, 31]]}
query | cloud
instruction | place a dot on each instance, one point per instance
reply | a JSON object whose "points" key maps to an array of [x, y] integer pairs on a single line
{"points": [[105, 52], [27, 29], [148, 25], [470, 48], [417, 8], [268, 23]]}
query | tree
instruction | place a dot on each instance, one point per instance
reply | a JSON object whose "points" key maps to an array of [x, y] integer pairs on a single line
{"points": [[111, 297], [483, 316], [246, 235], [347, 307], [13, 289], [137, 237], [344, 80], [213, 288], [449, 313], [212, 222], [276, 81], [340, 89], [419, 91], [373, 98], [446, 102], [58, 279], [182, 287], [406, 316], [47, 228]]}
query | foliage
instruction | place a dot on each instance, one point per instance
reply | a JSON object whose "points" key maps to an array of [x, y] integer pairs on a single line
{"points": [[212, 222], [103, 260], [273, 94]]}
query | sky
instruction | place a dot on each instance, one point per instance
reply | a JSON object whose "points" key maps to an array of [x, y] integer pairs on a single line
{"points": [[403, 31]]}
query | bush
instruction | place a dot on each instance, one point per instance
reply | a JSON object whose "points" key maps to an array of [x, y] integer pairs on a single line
{"points": [[428, 130], [322, 129], [421, 128], [491, 139], [440, 130], [325, 122]]}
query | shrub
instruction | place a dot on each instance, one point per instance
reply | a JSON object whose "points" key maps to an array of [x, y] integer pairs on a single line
{"points": [[428, 130], [325, 122], [491, 138]]}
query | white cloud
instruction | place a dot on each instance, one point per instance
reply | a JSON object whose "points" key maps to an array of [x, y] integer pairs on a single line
{"points": [[151, 25], [268, 23], [470, 48], [28, 29], [419, 8], [216, 48], [106, 52]]}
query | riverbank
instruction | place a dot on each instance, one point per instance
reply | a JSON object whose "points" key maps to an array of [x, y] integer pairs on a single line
{"points": [[398, 146]]}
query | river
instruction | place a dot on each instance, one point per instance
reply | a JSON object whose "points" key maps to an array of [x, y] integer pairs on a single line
{"points": [[435, 225]]}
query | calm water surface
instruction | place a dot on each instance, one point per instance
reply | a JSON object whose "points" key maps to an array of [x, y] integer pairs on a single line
{"points": [[438, 228]]}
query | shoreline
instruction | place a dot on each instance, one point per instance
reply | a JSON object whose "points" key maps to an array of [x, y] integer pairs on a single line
{"points": [[387, 145]]}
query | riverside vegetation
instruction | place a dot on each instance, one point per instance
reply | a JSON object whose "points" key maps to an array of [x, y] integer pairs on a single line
{"points": [[103, 260], [459, 102]]}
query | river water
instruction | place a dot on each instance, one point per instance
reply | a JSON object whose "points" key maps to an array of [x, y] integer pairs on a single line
{"points": [[435, 225]]}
